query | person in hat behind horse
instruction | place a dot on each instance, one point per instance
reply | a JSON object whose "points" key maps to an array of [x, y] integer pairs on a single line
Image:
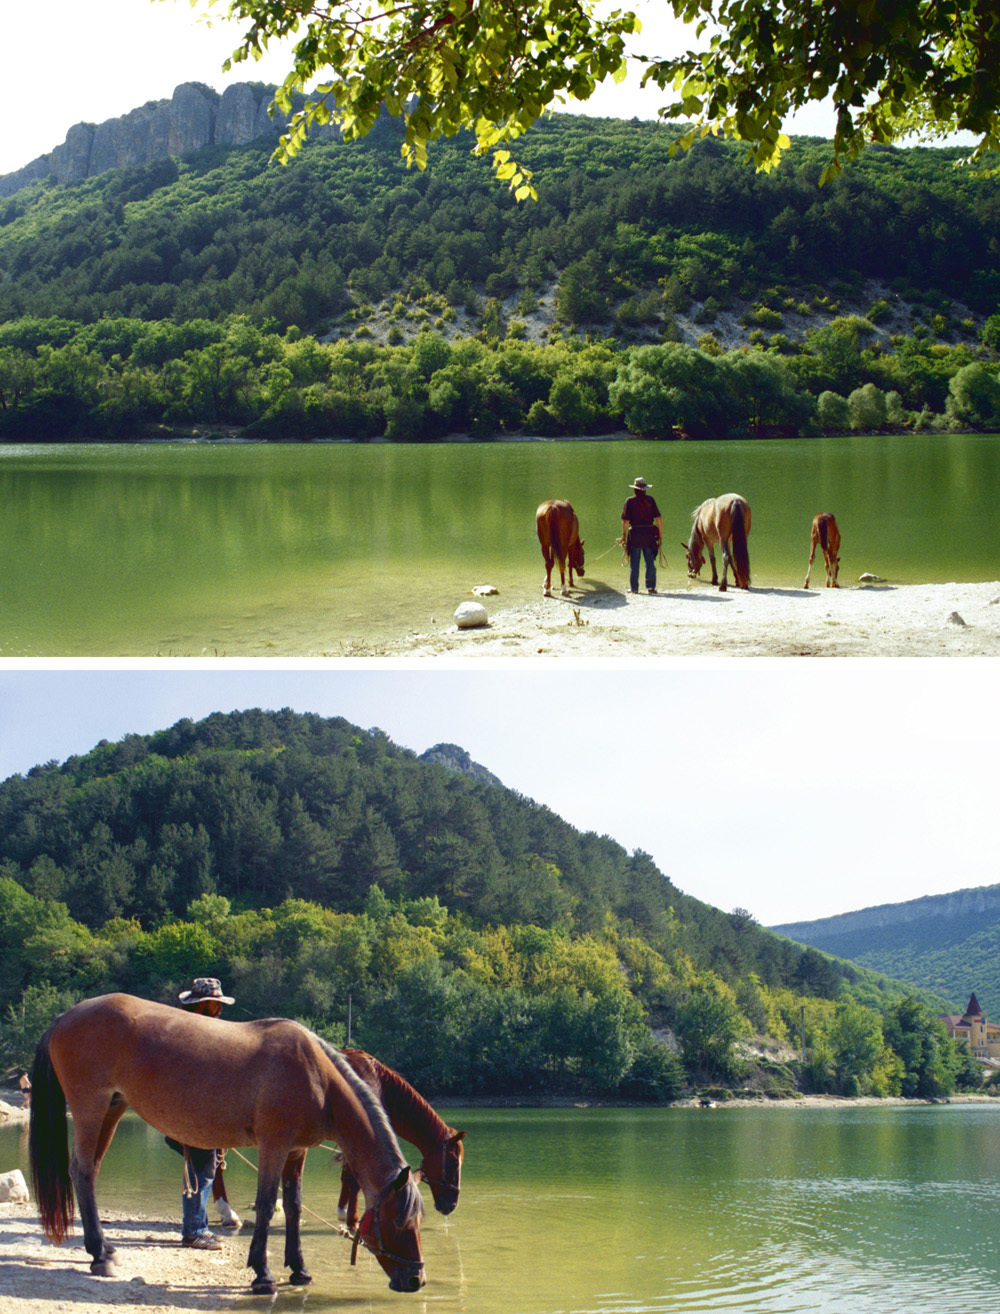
{"points": [[642, 531], [202, 1168]]}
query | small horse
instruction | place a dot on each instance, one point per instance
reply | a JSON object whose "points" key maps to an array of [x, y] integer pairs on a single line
{"points": [[412, 1118], [827, 535], [559, 535], [209, 1082], [724, 520]]}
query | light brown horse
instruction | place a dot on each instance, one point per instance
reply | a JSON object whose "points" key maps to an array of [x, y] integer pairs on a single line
{"points": [[724, 520], [208, 1082], [827, 535], [412, 1118], [559, 535]]}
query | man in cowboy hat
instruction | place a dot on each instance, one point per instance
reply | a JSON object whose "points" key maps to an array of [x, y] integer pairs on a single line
{"points": [[642, 530], [203, 1168]]}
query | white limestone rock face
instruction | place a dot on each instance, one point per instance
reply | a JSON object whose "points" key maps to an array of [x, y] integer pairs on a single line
{"points": [[470, 615]]}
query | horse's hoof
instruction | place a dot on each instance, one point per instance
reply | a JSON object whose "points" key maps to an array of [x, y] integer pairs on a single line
{"points": [[102, 1268], [301, 1278], [263, 1287]]}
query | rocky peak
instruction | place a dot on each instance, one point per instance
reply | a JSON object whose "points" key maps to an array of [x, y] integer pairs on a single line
{"points": [[457, 759]]}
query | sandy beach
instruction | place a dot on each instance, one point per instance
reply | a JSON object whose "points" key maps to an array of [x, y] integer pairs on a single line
{"points": [[859, 620]]}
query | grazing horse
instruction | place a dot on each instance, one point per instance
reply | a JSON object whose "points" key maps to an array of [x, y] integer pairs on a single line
{"points": [[559, 535], [724, 520], [209, 1082], [412, 1118], [827, 535]]}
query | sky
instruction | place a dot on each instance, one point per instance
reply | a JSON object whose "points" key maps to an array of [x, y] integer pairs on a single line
{"points": [[794, 790], [84, 61]]}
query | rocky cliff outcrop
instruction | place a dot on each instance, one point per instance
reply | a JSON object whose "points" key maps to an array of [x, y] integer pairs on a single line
{"points": [[195, 116], [457, 759]]}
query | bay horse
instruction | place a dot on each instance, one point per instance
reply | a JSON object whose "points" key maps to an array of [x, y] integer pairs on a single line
{"points": [[559, 536], [208, 1082], [413, 1119], [827, 535], [724, 520]]}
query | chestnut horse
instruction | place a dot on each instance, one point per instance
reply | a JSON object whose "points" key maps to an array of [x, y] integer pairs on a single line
{"points": [[208, 1082], [413, 1119], [559, 535], [724, 520], [827, 535]]}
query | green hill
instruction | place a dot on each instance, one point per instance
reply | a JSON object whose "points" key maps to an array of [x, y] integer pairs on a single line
{"points": [[345, 295], [482, 941], [947, 943]]}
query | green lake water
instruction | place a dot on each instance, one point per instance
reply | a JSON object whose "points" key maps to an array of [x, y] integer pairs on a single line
{"points": [[647, 1211], [191, 549]]}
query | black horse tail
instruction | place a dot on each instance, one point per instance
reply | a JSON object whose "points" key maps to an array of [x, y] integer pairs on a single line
{"points": [[824, 533], [48, 1144], [741, 553]]}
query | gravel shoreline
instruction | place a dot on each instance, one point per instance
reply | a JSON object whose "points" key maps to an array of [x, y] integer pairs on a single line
{"points": [[863, 620]]}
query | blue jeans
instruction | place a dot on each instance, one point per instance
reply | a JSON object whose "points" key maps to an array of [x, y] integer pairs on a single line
{"points": [[194, 1208], [634, 556]]}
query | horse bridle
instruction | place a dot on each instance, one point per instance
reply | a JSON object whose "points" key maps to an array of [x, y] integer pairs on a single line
{"points": [[379, 1249]]}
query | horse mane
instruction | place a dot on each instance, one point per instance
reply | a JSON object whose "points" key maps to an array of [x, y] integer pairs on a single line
{"points": [[411, 1203], [397, 1093], [696, 534]]}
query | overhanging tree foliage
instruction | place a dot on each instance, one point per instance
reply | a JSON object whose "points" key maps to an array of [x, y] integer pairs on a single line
{"points": [[925, 67]]}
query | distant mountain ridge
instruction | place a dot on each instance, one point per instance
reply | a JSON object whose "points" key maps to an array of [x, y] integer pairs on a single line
{"points": [[948, 943], [194, 117]]}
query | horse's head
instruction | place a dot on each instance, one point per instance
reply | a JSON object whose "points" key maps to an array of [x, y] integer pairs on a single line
{"points": [[442, 1171], [391, 1231], [576, 556], [695, 556]]}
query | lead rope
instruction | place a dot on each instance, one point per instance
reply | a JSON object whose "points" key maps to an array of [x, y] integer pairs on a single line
{"points": [[334, 1227]]}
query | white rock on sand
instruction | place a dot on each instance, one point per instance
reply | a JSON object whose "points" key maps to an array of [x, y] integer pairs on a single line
{"points": [[869, 620]]}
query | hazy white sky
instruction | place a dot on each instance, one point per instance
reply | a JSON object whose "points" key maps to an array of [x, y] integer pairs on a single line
{"points": [[796, 790], [73, 61]]}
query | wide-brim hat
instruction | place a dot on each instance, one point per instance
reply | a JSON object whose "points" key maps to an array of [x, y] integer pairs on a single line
{"points": [[205, 987], [640, 485]]}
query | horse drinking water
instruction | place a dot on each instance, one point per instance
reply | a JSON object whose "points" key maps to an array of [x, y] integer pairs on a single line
{"points": [[559, 535], [208, 1082], [724, 520], [412, 1118], [827, 535]]}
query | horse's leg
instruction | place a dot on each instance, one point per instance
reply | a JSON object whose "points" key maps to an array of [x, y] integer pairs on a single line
{"points": [[93, 1130], [84, 1173], [812, 554], [347, 1205], [227, 1214], [715, 573], [562, 576], [549, 563], [268, 1174], [291, 1198]]}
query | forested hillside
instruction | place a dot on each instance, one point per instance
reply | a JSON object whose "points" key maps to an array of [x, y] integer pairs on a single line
{"points": [[946, 943], [485, 945], [346, 296]]}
